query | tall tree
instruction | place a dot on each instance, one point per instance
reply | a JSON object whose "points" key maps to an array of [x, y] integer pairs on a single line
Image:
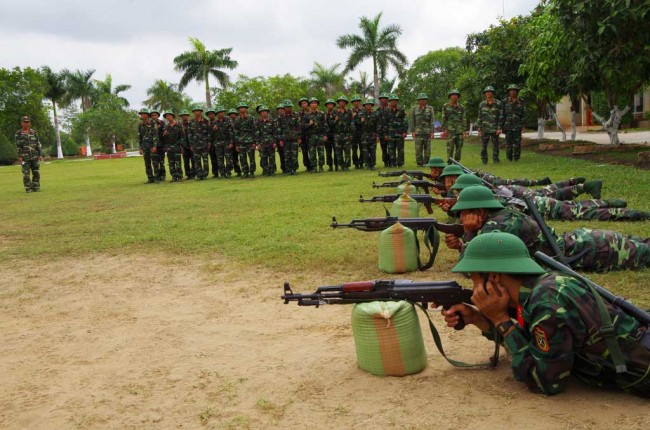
{"points": [[199, 63], [80, 87], [376, 44], [105, 87], [56, 93], [361, 86], [267, 90], [327, 79], [164, 96]]}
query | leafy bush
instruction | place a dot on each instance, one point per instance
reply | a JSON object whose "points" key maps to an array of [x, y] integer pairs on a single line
{"points": [[68, 146], [8, 152]]}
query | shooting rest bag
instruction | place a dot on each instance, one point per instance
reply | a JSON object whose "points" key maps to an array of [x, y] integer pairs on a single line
{"points": [[407, 188], [405, 207], [398, 250], [388, 338]]}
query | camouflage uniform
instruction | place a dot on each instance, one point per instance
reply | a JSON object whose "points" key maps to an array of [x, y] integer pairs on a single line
{"points": [[223, 143], [267, 137], [453, 122], [368, 124], [316, 126], [423, 125], [343, 129], [200, 136], [173, 140], [355, 143], [244, 133], [290, 131], [304, 140], [489, 119], [512, 122], [30, 150], [148, 142], [330, 145], [232, 114], [188, 159], [381, 130], [495, 180], [564, 190], [561, 336], [598, 210], [158, 158], [396, 126]]}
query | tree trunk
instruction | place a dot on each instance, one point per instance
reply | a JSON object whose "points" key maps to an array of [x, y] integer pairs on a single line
{"points": [[612, 123], [89, 152], [574, 130], [113, 142], [208, 102], [557, 123], [59, 149], [375, 79], [541, 124]]}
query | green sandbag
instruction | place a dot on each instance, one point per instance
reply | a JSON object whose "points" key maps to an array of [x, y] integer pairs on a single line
{"points": [[405, 178], [405, 207], [388, 338], [398, 252], [407, 188]]}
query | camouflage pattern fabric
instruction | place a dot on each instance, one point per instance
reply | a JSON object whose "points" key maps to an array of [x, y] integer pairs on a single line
{"points": [[290, 131], [396, 126], [29, 148], [453, 122], [512, 122], [304, 141], [355, 143], [598, 210], [222, 133], [561, 337], [158, 158], [267, 136], [423, 121], [200, 136], [173, 137], [343, 129], [148, 142], [244, 136], [316, 126], [330, 150], [495, 180], [368, 124], [188, 159], [489, 117], [553, 191]]}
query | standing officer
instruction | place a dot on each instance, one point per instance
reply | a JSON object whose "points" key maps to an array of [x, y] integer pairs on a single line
{"points": [[158, 158], [244, 131], [232, 114], [304, 111], [290, 136], [367, 122], [173, 140], [148, 142], [200, 140], [214, 165], [396, 126], [222, 142], [316, 126], [30, 153], [330, 154], [279, 110], [453, 124], [422, 129], [355, 143], [381, 128], [343, 130], [188, 159], [512, 122], [266, 136], [489, 124]]}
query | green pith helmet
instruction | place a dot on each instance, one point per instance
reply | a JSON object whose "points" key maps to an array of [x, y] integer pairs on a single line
{"points": [[184, 112], [476, 197], [262, 108], [384, 96], [219, 109], [287, 103], [232, 112], [242, 105], [342, 97], [453, 91], [210, 110], [303, 99], [355, 98], [497, 252], [422, 96], [257, 107], [466, 180], [169, 113], [155, 111], [197, 107], [144, 110], [513, 87], [330, 102], [489, 88], [451, 170], [314, 99], [436, 162], [393, 96], [369, 102], [279, 106]]}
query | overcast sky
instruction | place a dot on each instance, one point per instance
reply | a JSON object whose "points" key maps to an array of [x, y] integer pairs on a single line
{"points": [[136, 41]]}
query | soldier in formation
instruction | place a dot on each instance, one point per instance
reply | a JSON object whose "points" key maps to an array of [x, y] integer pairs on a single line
{"points": [[489, 124], [148, 143], [30, 154], [395, 127], [453, 125], [200, 136], [423, 128], [173, 139]]}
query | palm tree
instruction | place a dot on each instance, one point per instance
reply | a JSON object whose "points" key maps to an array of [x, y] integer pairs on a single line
{"points": [[378, 44], [105, 92], [80, 86], [164, 96], [362, 86], [56, 92], [328, 79], [199, 64]]}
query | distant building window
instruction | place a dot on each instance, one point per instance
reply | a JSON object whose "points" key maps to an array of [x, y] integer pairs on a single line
{"points": [[638, 103]]}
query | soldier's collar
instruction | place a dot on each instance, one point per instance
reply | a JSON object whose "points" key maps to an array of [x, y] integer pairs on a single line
{"points": [[526, 289]]}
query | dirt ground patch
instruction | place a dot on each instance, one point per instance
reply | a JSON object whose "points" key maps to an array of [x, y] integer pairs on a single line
{"points": [[165, 342]]}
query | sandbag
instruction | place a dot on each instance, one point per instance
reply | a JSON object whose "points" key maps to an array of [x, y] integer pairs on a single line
{"points": [[388, 338], [398, 251], [405, 178], [405, 207], [406, 188]]}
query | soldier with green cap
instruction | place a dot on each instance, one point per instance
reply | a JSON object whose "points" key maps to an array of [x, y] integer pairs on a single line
{"points": [[266, 136], [396, 126], [381, 127], [200, 136], [594, 250], [436, 164], [368, 122], [355, 143], [330, 155], [453, 124], [148, 142], [188, 158], [232, 114], [316, 126], [423, 129], [290, 136], [158, 156], [279, 112], [244, 135], [222, 141], [343, 129], [303, 103], [173, 137], [552, 324], [212, 153], [30, 153], [512, 122], [489, 124]]}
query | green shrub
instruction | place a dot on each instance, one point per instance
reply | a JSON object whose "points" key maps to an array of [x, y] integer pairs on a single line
{"points": [[68, 146], [8, 152]]}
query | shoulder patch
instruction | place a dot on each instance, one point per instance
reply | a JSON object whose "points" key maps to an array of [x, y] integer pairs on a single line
{"points": [[541, 339]]}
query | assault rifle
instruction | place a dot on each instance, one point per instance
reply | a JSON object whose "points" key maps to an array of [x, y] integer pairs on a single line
{"points": [[424, 184], [425, 199], [413, 173], [442, 293]]}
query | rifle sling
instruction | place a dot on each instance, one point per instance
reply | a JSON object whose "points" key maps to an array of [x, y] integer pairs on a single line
{"points": [[431, 242], [436, 339]]}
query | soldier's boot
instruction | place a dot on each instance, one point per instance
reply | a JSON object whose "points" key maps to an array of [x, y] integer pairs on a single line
{"points": [[614, 203], [544, 181], [593, 188], [36, 187]]}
